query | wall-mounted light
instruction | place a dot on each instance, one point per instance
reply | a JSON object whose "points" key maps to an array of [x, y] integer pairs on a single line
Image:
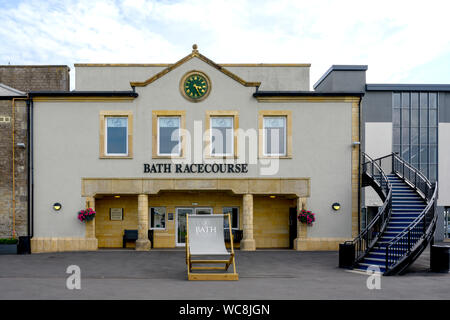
{"points": [[117, 197], [21, 145], [57, 206], [355, 144], [336, 206], [273, 197]]}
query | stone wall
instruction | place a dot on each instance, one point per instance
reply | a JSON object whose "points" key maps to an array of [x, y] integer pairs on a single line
{"points": [[24, 78], [36, 78]]}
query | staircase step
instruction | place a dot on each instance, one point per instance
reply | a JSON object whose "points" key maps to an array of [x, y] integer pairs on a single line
{"points": [[363, 267]]}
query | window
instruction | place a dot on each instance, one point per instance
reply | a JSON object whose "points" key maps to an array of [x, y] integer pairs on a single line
{"points": [[222, 133], [415, 132], [116, 136], [169, 137], [158, 218], [116, 129], [275, 134], [167, 134], [221, 138], [234, 211]]}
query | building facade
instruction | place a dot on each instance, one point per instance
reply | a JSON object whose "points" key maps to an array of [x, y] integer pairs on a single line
{"points": [[147, 144], [412, 120], [15, 82]]}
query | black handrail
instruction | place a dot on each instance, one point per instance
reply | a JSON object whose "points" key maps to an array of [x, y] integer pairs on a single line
{"points": [[369, 236], [410, 243]]}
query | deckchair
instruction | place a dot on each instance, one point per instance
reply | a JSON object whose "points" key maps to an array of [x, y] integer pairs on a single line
{"points": [[205, 239]]}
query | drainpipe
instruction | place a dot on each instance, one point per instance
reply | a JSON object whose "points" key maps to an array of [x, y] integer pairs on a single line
{"points": [[28, 168], [13, 132], [31, 167], [359, 167]]}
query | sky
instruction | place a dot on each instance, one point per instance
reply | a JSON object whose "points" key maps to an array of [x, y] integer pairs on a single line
{"points": [[400, 41]]}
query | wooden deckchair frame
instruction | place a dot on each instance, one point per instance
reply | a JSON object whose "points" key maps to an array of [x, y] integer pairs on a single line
{"points": [[211, 276]]}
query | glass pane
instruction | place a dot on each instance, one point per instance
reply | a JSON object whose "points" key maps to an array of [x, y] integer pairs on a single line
{"points": [[423, 100], [433, 118], [116, 135], [424, 169], [423, 154], [170, 122], [274, 122], [414, 117], [396, 135], [274, 129], [405, 153], [203, 211], [181, 224], [396, 117], [405, 135], [432, 174], [424, 117], [433, 100], [423, 136], [222, 135], [414, 135], [169, 135], [433, 135], [414, 100], [405, 117], [415, 154], [158, 216], [396, 100], [222, 122], [234, 217], [433, 154], [405, 99]]}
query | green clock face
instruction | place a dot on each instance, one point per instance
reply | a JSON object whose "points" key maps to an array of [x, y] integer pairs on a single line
{"points": [[196, 86]]}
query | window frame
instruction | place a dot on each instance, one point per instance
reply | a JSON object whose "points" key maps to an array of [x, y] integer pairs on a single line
{"points": [[104, 134], [287, 131], [211, 136], [238, 214], [158, 141], [156, 114], [225, 114], [150, 218]]}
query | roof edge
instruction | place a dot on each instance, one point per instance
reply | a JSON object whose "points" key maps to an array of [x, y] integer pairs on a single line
{"points": [[407, 87], [340, 67]]}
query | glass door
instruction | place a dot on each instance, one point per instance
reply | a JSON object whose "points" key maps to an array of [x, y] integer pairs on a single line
{"points": [[180, 238]]}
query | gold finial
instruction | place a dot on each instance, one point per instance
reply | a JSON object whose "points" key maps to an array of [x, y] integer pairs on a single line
{"points": [[194, 48]]}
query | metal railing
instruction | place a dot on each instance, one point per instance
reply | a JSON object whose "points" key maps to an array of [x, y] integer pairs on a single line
{"points": [[367, 238], [409, 244]]}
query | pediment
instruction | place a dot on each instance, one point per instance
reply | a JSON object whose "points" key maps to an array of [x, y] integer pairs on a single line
{"points": [[195, 54]]}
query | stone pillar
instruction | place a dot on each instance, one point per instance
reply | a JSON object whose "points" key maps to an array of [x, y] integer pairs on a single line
{"points": [[142, 243], [91, 242], [248, 243], [302, 231]]}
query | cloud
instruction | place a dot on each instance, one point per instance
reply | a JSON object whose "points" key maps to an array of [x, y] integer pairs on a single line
{"points": [[394, 38]]}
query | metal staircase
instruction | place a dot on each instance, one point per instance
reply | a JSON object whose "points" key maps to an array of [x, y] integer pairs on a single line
{"points": [[404, 224]]}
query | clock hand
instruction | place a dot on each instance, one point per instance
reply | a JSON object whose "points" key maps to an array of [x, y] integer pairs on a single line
{"points": [[196, 88]]}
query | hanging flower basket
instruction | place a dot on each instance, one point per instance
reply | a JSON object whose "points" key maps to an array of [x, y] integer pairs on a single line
{"points": [[306, 217], [86, 215]]}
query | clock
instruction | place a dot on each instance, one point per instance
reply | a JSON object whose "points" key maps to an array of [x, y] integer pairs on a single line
{"points": [[195, 86]]}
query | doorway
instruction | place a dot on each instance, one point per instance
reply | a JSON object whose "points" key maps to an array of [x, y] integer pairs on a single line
{"points": [[180, 235]]}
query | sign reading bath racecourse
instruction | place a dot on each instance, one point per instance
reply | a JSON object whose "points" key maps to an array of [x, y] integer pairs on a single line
{"points": [[195, 168]]}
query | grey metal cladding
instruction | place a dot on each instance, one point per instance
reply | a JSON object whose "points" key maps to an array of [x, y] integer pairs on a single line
{"points": [[444, 107], [377, 107]]}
